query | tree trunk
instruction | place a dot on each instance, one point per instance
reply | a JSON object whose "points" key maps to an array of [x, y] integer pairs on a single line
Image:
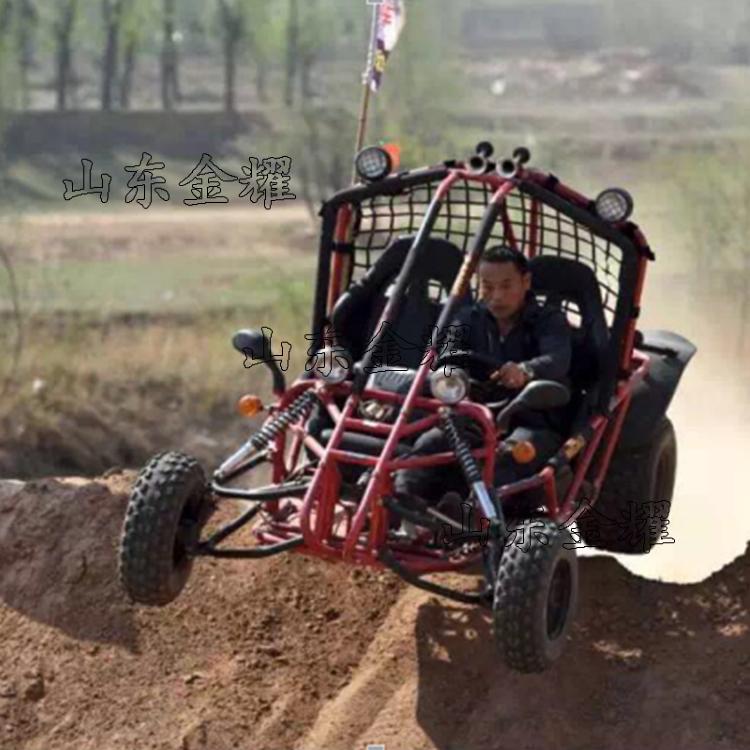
{"points": [[232, 22], [308, 54], [292, 51], [6, 17], [175, 73], [26, 48], [126, 81], [112, 14], [64, 52], [169, 84]]}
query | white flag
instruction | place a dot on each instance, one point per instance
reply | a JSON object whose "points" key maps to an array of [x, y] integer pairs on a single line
{"points": [[390, 19]]}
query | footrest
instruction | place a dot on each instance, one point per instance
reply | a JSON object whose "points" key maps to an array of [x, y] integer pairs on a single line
{"points": [[417, 518]]}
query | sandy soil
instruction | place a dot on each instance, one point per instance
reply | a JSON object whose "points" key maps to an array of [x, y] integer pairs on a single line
{"points": [[294, 654]]}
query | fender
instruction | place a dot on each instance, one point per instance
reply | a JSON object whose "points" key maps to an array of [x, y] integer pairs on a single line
{"points": [[669, 354]]}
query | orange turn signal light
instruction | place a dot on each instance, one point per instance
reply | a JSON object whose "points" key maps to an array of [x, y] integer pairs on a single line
{"points": [[249, 406], [523, 452], [394, 151]]}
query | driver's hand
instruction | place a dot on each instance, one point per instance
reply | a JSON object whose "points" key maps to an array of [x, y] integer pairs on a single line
{"points": [[510, 375]]}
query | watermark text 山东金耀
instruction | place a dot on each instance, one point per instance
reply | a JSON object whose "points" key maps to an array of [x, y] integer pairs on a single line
{"points": [[642, 525], [386, 350], [263, 178]]}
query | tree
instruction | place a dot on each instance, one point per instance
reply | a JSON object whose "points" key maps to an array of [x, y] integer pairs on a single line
{"points": [[63, 32], [264, 34], [6, 53], [11, 330], [170, 84], [311, 41], [112, 12], [7, 78], [323, 157], [232, 24], [292, 51], [313, 29], [26, 21], [137, 16], [248, 28]]}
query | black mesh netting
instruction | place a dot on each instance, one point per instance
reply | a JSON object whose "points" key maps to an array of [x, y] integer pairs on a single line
{"points": [[384, 218]]}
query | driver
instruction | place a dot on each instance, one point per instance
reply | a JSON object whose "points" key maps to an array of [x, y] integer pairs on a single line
{"points": [[528, 341]]}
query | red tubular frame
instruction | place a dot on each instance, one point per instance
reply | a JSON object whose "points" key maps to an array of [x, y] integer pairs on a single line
{"points": [[317, 509], [340, 259]]}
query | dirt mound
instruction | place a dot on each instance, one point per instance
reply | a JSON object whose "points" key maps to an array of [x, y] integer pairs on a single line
{"points": [[116, 424], [296, 654]]}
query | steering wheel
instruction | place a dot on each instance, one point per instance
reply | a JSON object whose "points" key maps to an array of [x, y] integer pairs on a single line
{"points": [[479, 368]]}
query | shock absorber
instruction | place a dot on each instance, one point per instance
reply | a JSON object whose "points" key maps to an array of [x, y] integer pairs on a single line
{"points": [[471, 471], [298, 409]]}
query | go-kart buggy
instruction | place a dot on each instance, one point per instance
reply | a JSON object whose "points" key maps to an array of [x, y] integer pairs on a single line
{"points": [[397, 258]]}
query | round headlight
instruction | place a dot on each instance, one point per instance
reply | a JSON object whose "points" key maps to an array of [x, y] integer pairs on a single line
{"points": [[373, 163], [614, 205], [449, 389], [333, 364]]}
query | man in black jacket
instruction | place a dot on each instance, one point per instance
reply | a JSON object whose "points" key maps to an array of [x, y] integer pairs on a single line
{"points": [[529, 341]]}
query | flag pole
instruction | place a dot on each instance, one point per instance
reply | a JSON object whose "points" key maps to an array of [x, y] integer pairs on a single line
{"points": [[345, 260], [365, 104]]}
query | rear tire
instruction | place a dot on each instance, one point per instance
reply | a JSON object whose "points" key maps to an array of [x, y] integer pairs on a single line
{"points": [[637, 477], [536, 593], [168, 505]]}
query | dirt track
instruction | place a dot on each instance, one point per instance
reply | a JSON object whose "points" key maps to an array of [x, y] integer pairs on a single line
{"points": [[293, 654]]}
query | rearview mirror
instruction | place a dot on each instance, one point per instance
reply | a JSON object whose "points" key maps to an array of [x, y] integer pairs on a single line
{"points": [[257, 345], [253, 343]]}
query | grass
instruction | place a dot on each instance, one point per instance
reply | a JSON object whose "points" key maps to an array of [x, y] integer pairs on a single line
{"points": [[160, 285]]}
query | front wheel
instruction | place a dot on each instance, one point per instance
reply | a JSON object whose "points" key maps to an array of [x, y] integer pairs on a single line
{"points": [[536, 592], [168, 505]]}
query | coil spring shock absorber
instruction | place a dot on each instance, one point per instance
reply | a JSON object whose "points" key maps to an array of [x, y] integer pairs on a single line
{"points": [[298, 409], [471, 471], [492, 554]]}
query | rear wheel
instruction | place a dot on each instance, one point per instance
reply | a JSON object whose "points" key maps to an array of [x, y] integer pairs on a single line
{"points": [[168, 505], [536, 592], [636, 496]]}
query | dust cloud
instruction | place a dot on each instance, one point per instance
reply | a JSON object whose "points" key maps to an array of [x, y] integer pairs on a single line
{"points": [[710, 515]]}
